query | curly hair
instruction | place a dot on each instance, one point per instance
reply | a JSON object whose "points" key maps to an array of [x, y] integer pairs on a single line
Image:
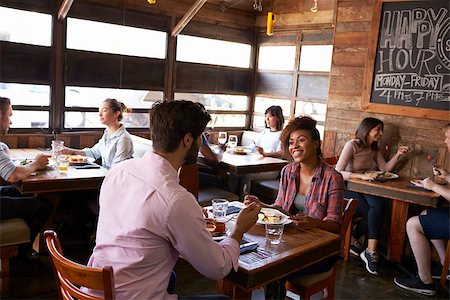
{"points": [[300, 123]]}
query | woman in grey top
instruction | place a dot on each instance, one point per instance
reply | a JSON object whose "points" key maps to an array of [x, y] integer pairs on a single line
{"points": [[116, 144], [358, 156]]}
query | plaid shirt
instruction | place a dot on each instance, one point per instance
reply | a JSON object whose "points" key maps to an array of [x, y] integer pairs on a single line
{"points": [[324, 200]]}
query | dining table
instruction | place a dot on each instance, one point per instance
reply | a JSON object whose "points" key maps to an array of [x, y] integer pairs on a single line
{"points": [[50, 180], [299, 248], [248, 161], [402, 193]]}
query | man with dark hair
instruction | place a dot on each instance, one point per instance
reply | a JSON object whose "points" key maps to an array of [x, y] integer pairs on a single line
{"points": [[147, 219], [13, 204]]}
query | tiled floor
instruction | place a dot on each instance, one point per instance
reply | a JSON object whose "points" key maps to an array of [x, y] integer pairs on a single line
{"points": [[353, 282]]}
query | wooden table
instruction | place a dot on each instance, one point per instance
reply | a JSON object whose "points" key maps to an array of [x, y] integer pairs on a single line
{"points": [[51, 180], [240, 164], [298, 249], [398, 191]]}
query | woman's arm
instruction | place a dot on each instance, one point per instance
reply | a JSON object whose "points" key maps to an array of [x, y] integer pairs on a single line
{"points": [[72, 151], [389, 166], [442, 190]]}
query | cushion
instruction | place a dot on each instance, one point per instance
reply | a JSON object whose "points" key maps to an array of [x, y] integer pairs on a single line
{"points": [[309, 280], [205, 195], [248, 137], [13, 232], [268, 188], [140, 146]]}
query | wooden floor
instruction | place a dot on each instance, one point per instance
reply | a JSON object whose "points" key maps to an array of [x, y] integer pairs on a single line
{"points": [[353, 282]]}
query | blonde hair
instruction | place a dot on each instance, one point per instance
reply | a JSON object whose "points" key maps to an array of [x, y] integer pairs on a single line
{"points": [[116, 105]]}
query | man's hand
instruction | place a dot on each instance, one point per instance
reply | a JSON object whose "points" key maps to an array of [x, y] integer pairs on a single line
{"points": [[245, 220], [428, 184], [40, 161]]}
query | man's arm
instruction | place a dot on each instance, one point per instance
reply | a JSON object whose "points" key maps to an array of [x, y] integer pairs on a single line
{"points": [[442, 190], [21, 172]]}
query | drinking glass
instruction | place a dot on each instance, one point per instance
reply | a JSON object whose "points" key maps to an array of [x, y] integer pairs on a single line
{"points": [[222, 137], [274, 232], [63, 164], [220, 207], [232, 141], [57, 147]]}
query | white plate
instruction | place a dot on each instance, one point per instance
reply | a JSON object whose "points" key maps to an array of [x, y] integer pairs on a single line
{"points": [[385, 175], [242, 151], [274, 212], [89, 160], [418, 183]]}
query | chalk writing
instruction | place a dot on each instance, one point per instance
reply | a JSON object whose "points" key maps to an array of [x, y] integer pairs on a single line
{"points": [[412, 66]]}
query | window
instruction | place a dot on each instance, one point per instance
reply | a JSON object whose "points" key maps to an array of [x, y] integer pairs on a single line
{"points": [[20, 26], [91, 98], [28, 101], [214, 52], [316, 58], [261, 104], [116, 39], [215, 103], [313, 81], [278, 58]]}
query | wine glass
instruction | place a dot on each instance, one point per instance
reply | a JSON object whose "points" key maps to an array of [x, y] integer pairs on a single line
{"points": [[232, 141], [222, 137]]}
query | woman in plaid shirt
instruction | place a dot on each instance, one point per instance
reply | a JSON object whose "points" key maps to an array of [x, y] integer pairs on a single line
{"points": [[310, 191]]}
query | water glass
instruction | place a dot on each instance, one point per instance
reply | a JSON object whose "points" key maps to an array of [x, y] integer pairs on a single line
{"points": [[63, 164], [232, 141], [57, 147], [274, 232], [222, 138], [220, 207]]}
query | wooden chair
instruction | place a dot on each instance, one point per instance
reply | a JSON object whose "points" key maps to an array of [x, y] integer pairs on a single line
{"points": [[347, 226], [13, 232], [445, 266], [71, 276], [308, 285]]}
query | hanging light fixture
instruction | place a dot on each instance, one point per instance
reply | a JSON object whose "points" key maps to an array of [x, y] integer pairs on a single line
{"points": [[314, 9], [151, 1], [270, 21], [257, 5]]}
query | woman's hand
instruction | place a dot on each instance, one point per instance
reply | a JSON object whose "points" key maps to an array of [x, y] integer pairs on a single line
{"points": [[428, 184], [368, 176], [260, 150], [438, 171], [402, 150], [304, 221], [248, 199]]}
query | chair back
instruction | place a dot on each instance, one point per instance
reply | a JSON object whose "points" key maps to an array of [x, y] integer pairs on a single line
{"points": [[346, 227], [332, 161], [70, 276]]}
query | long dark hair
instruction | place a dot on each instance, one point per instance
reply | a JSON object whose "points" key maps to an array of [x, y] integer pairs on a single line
{"points": [[300, 123], [364, 128], [276, 111]]}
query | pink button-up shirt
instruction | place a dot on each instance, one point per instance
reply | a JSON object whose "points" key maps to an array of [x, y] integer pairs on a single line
{"points": [[147, 220]]}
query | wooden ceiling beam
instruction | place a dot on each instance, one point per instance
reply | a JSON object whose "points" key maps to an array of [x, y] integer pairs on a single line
{"points": [[64, 9], [187, 17]]}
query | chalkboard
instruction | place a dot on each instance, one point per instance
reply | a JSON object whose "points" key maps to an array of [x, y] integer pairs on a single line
{"points": [[411, 56]]}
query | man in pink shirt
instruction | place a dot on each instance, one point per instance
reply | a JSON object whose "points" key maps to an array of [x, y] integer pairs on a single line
{"points": [[147, 219]]}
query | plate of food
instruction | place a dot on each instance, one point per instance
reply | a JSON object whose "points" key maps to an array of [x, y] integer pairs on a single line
{"points": [[417, 182], [79, 159], [216, 228], [242, 150], [272, 216], [384, 175]]}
